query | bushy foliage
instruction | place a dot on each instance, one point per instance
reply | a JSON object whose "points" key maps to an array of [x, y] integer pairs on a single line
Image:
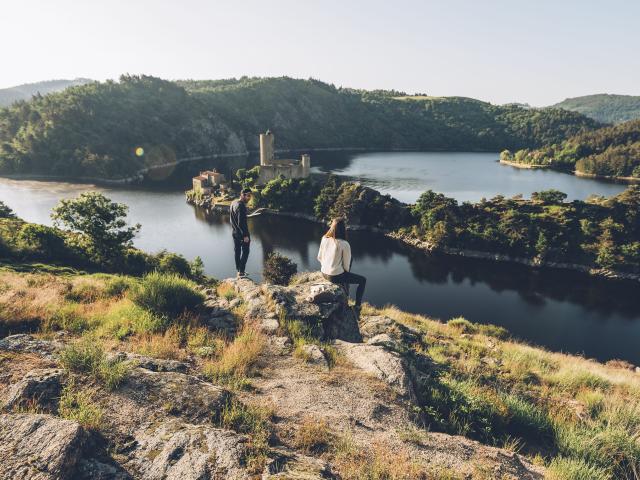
{"points": [[167, 295], [604, 233], [279, 269], [609, 151], [5, 211], [100, 222], [95, 130], [289, 195]]}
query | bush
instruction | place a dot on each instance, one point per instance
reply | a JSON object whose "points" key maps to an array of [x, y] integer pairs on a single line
{"points": [[167, 295], [79, 405], [279, 269]]}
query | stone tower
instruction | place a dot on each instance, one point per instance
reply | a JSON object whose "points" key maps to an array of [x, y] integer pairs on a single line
{"points": [[266, 148], [305, 162]]}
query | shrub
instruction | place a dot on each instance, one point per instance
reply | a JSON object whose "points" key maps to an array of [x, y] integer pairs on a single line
{"points": [[172, 263], [84, 356], [463, 325], [167, 294], [279, 269], [117, 286]]}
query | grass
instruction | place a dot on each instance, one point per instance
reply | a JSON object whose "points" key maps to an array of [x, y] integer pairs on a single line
{"points": [[79, 405], [167, 295], [226, 291], [237, 360], [313, 436], [87, 356], [254, 421], [302, 334], [580, 417]]}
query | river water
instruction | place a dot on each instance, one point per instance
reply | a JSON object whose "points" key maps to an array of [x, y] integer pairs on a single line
{"points": [[560, 310]]}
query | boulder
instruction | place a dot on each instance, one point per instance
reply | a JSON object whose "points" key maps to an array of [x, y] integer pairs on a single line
{"points": [[42, 386], [375, 325], [39, 447], [175, 393], [27, 343], [288, 465], [173, 450], [388, 366]]}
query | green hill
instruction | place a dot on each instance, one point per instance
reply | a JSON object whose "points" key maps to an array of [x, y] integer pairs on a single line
{"points": [[95, 129], [609, 151], [27, 90], [604, 107]]}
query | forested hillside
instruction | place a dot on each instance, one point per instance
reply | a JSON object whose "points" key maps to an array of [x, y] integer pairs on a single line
{"points": [[96, 129], [609, 151], [27, 90], [604, 107]]}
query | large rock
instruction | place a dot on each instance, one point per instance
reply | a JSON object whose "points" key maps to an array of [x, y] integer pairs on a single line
{"points": [[388, 366], [175, 393], [376, 325], [173, 450], [42, 386], [39, 447], [27, 343]]}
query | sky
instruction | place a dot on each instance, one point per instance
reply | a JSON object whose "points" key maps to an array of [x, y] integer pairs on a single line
{"points": [[537, 52]]}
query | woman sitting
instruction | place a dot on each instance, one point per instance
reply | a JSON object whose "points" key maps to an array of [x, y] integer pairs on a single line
{"points": [[335, 259]]}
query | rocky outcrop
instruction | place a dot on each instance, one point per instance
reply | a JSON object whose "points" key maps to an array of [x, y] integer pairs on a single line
{"points": [[40, 386], [39, 447], [386, 365], [173, 450], [321, 305], [150, 363], [26, 343]]}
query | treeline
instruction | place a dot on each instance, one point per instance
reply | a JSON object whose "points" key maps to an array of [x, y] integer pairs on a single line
{"points": [[610, 151], [600, 232], [91, 234], [116, 129]]}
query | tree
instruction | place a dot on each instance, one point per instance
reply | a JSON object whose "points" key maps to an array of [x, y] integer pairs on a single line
{"points": [[101, 223], [551, 196], [5, 211]]}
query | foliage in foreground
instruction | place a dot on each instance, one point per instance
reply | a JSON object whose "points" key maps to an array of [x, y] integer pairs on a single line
{"points": [[278, 269]]}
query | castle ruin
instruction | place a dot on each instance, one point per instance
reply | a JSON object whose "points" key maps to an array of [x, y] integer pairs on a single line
{"points": [[272, 167]]}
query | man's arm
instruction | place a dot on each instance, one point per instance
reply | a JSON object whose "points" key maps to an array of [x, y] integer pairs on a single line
{"points": [[242, 221]]}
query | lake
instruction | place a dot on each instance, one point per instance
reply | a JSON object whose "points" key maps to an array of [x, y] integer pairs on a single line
{"points": [[561, 310]]}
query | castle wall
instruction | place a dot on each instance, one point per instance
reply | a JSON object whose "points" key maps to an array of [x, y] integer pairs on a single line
{"points": [[267, 150], [270, 172]]}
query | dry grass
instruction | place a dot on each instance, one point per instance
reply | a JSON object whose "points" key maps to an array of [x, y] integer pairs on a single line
{"points": [[379, 460], [238, 359], [313, 435], [226, 291]]}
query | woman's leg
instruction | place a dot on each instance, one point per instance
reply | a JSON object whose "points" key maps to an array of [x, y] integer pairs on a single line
{"points": [[354, 278]]}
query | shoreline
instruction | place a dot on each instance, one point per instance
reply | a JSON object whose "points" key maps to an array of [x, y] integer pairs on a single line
{"points": [[577, 173], [429, 248]]}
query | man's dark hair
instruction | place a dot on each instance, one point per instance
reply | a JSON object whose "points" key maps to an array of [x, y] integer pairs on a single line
{"points": [[246, 190]]}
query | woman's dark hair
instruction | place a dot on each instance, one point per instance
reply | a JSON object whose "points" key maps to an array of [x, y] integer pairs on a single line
{"points": [[337, 230]]}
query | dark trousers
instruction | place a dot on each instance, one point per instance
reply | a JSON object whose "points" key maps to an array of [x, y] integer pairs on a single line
{"points": [[348, 278], [241, 251]]}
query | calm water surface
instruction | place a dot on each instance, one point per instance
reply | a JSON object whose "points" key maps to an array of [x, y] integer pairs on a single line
{"points": [[558, 309]]}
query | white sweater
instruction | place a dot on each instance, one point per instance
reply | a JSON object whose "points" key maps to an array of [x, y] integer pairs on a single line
{"points": [[334, 256]]}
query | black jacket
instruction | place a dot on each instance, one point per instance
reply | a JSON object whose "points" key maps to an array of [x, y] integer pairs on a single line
{"points": [[238, 215]]}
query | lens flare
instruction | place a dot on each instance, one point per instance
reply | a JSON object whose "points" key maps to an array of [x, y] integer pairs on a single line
{"points": [[139, 151]]}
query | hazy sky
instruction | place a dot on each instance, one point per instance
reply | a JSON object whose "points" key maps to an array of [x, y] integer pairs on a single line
{"points": [[538, 52]]}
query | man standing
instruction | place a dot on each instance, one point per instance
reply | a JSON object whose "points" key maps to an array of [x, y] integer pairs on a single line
{"points": [[241, 239]]}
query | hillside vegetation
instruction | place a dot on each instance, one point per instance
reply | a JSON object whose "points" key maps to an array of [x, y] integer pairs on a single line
{"points": [[604, 107], [609, 151], [96, 130], [27, 90]]}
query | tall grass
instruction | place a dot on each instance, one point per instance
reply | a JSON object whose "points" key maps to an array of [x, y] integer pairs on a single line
{"points": [[167, 295]]}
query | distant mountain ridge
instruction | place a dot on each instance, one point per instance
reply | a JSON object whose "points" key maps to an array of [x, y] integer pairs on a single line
{"points": [[27, 90], [95, 130], [604, 107]]}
